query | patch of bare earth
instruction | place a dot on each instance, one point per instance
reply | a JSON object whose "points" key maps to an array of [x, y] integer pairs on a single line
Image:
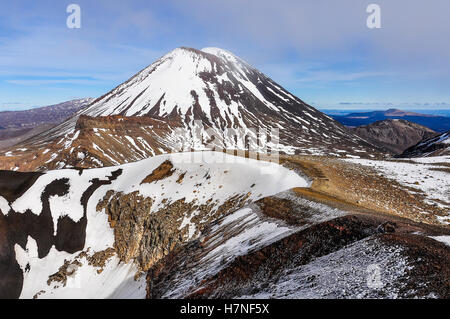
{"points": [[162, 171], [341, 183]]}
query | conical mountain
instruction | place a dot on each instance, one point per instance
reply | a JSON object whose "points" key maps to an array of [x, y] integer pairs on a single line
{"points": [[189, 100]]}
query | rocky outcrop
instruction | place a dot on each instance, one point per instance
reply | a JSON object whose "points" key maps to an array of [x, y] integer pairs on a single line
{"points": [[70, 267], [129, 216], [435, 146], [66, 270], [100, 258], [96, 142], [145, 236], [119, 123], [162, 171]]}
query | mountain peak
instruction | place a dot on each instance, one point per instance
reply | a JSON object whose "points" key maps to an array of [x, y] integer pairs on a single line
{"points": [[209, 53], [210, 50], [187, 81], [216, 51], [221, 53]]}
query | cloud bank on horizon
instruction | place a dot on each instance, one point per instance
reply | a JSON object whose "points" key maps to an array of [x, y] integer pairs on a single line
{"points": [[321, 51]]}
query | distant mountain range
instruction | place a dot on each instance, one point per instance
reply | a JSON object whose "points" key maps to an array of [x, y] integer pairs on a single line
{"points": [[434, 122], [41, 115], [18, 126]]}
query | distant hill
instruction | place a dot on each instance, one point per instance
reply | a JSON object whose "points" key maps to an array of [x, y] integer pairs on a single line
{"points": [[41, 115], [11, 137], [394, 135], [18, 126], [434, 122]]}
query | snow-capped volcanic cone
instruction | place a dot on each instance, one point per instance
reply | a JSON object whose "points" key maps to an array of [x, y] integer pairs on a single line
{"points": [[189, 98]]}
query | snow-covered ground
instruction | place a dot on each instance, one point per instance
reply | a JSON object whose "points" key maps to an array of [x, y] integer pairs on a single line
{"points": [[116, 280], [364, 269], [207, 176], [431, 159]]}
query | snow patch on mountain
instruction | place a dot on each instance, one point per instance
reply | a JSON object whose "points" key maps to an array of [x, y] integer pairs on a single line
{"points": [[207, 177]]}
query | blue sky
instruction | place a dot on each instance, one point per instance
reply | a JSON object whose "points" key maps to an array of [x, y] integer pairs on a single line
{"points": [[322, 51]]}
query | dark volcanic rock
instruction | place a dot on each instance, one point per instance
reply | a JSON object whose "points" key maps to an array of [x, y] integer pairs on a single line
{"points": [[354, 256], [436, 146]]}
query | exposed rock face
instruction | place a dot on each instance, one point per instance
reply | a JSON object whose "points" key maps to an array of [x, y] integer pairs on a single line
{"points": [[394, 135], [128, 215], [68, 269], [146, 236], [163, 171], [100, 258], [97, 142], [436, 146]]}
